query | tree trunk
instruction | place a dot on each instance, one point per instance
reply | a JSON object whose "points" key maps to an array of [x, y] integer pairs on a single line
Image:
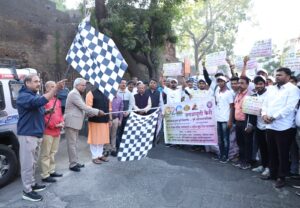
{"points": [[101, 12], [196, 54]]}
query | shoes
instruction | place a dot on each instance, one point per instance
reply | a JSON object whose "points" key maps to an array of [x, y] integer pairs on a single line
{"points": [[55, 175], [49, 180], [103, 158], [97, 161], [280, 183], [245, 166], [75, 168], [216, 158], [37, 188], [267, 178], [258, 169], [296, 186], [32, 196], [237, 164], [114, 153], [80, 165], [224, 161], [266, 172]]}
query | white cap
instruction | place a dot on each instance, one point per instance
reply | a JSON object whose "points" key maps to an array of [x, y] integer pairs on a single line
{"points": [[222, 78], [271, 78], [262, 70], [173, 79]]}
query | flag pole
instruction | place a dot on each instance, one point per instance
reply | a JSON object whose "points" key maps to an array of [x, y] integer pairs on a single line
{"points": [[53, 107]]}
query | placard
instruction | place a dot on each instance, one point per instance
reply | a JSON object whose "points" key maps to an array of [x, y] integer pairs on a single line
{"points": [[252, 105], [215, 59], [291, 56], [262, 48], [191, 123], [172, 69]]}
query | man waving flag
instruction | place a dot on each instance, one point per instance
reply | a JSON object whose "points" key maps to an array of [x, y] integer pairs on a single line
{"points": [[96, 57]]}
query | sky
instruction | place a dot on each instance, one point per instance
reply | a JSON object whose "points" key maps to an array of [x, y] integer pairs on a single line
{"points": [[276, 19]]}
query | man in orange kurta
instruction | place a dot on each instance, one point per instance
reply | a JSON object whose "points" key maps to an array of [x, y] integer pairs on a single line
{"points": [[98, 133]]}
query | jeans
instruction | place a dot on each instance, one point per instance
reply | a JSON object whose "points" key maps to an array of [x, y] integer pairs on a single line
{"points": [[223, 139]]}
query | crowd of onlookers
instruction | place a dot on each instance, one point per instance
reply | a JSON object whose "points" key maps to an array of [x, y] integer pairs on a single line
{"points": [[267, 143]]}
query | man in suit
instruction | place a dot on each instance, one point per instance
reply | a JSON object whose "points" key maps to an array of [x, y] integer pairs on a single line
{"points": [[74, 116]]}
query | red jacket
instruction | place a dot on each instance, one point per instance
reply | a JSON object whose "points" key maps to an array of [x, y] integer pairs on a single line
{"points": [[56, 118]]}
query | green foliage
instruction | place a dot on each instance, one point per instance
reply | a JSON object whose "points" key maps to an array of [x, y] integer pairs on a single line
{"points": [[210, 26], [60, 5], [140, 26]]}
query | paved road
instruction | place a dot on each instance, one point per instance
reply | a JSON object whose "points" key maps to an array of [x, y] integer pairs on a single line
{"points": [[168, 178]]}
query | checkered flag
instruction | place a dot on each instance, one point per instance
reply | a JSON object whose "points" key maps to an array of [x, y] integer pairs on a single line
{"points": [[97, 59], [138, 136]]}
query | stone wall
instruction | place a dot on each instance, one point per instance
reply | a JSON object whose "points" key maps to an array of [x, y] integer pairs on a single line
{"points": [[36, 33]]}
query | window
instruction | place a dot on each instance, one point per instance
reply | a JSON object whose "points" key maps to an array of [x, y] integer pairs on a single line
{"points": [[14, 86], [2, 100]]}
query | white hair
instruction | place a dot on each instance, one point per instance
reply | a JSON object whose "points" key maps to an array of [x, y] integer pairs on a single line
{"points": [[77, 81], [47, 84]]}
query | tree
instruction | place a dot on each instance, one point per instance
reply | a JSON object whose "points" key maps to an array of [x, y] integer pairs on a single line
{"points": [[140, 29], [210, 26]]}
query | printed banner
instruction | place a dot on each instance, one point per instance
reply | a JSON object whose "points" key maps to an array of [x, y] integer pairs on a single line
{"points": [[251, 64], [262, 48], [191, 123], [252, 105], [172, 69], [291, 56], [215, 59]]}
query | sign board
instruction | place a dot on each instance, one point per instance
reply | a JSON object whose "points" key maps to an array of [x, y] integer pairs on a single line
{"points": [[252, 105], [172, 69], [191, 123], [291, 56], [215, 59], [262, 48]]}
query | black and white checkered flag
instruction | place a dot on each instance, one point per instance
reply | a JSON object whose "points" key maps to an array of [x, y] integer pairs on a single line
{"points": [[97, 59], [138, 136]]}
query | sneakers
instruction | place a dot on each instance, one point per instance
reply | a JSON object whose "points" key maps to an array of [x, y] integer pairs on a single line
{"points": [[258, 169], [32, 196], [38, 188], [266, 172], [49, 180], [216, 158], [237, 164], [224, 160]]}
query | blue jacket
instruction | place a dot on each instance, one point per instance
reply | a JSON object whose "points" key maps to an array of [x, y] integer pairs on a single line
{"points": [[31, 111]]}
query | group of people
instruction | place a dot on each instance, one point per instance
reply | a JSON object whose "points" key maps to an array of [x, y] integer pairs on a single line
{"points": [[273, 133]]}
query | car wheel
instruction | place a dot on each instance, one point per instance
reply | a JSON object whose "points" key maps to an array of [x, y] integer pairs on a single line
{"points": [[8, 165]]}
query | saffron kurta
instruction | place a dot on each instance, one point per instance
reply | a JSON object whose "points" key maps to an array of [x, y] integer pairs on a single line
{"points": [[98, 132]]}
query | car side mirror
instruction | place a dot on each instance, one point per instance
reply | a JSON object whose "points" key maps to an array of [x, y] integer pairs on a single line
{"points": [[3, 113]]}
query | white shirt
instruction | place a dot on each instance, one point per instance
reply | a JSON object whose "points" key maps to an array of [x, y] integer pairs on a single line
{"points": [[280, 104], [173, 96], [223, 101], [260, 122]]}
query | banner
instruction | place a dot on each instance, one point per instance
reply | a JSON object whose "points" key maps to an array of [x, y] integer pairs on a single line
{"points": [[191, 123], [215, 59], [252, 105], [251, 64], [172, 69], [291, 56], [262, 48]]}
